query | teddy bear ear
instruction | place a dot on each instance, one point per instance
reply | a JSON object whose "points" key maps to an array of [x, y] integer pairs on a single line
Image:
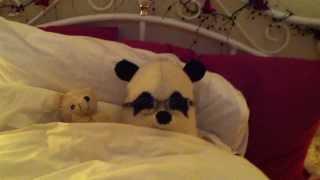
{"points": [[125, 70], [195, 70]]}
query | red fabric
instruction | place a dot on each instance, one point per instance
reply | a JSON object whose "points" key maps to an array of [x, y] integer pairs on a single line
{"points": [[106, 33], [155, 47], [283, 96], [42, 2], [207, 7], [182, 53]]}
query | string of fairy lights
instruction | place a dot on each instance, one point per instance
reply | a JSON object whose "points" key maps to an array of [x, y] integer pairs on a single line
{"points": [[209, 17], [18, 8]]}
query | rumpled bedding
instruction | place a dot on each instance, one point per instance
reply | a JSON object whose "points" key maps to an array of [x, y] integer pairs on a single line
{"points": [[114, 151], [36, 67], [61, 63], [33, 145]]}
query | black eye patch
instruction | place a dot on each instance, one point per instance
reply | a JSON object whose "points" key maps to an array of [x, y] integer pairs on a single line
{"points": [[144, 101], [179, 103]]}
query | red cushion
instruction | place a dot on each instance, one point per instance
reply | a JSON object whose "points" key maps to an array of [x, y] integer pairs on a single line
{"points": [[106, 33], [182, 53], [155, 47], [283, 96]]}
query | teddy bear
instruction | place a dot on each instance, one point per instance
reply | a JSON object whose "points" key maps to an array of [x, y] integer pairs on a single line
{"points": [[78, 105], [81, 105], [160, 94]]}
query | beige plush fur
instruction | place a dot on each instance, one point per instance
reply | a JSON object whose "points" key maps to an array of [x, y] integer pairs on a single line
{"points": [[161, 79], [75, 108]]}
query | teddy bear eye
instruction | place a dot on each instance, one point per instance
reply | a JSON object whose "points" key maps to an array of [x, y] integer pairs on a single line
{"points": [[87, 98], [178, 102], [72, 107]]}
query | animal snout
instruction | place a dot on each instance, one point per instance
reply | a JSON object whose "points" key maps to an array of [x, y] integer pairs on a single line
{"points": [[163, 117]]}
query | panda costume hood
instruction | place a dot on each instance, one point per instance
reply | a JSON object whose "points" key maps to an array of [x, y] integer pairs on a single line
{"points": [[160, 95]]}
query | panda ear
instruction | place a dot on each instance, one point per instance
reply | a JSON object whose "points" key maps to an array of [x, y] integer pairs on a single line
{"points": [[125, 70], [195, 70]]}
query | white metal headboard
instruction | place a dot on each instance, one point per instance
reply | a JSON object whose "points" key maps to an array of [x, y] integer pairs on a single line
{"points": [[143, 22], [181, 31]]}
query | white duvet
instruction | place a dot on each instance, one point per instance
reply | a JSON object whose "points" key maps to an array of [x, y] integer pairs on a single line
{"points": [[40, 148], [114, 151], [36, 67]]}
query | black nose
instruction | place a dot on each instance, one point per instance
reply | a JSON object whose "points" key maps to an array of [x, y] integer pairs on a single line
{"points": [[163, 117], [87, 98]]}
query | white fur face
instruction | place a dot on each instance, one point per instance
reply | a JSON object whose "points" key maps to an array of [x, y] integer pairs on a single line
{"points": [[160, 95], [77, 104]]}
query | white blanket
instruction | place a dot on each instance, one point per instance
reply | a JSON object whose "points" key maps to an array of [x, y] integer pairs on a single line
{"points": [[114, 151]]}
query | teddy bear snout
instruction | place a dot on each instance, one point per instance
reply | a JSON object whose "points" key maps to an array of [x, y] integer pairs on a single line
{"points": [[72, 107]]}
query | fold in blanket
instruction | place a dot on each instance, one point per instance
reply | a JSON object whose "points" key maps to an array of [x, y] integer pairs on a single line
{"points": [[42, 149], [114, 151]]}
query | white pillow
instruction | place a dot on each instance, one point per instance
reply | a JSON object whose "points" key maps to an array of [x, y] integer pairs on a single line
{"points": [[223, 111], [58, 62]]}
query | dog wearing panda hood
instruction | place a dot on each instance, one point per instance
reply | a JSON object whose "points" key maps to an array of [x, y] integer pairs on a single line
{"points": [[160, 94]]}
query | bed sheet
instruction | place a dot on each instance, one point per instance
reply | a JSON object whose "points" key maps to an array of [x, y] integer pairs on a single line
{"points": [[34, 146], [114, 151]]}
